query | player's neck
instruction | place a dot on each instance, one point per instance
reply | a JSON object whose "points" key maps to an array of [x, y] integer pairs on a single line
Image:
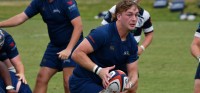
{"points": [[122, 31]]}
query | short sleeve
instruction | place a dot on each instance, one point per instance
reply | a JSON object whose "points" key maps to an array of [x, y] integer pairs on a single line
{"points": [[32, 9], [97, 38], [71, 8]]}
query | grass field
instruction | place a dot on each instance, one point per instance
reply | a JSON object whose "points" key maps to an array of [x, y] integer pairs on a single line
{"points": [[165, 67]]}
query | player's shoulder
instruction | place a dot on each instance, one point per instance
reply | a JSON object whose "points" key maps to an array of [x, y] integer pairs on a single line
{"points": [[144, 13], [107, 29], [69, 2]]}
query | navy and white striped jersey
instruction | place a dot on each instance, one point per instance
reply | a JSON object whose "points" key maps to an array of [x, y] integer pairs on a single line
{"points": [[197, 33], [144, 22]]}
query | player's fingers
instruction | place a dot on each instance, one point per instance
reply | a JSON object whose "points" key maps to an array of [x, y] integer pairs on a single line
{"points": [[112, 67], [25, 81]]}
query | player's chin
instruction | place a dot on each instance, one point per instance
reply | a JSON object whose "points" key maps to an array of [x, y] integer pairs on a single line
{"points": [[132, 26]]}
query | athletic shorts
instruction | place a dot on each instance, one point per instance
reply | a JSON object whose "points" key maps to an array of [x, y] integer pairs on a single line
{"points": [[83, 85], [3, 56], [197, 76], [51, 60]]}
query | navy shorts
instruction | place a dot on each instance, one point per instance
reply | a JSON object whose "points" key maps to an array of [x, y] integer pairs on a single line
{"points": [[197, 76], [85, 85], [51, 60], [3, 56]]}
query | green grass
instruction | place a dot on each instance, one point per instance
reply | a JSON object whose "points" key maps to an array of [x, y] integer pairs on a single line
{"points": [[165, 67]]}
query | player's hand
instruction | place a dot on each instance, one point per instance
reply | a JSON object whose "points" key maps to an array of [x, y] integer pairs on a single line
{"points": [[140, 50], [128, 87], [104, 75], [64, 54], [21, 78], [11, 91]]}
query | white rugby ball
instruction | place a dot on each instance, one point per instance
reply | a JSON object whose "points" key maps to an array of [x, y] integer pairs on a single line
{"points": [[117, 82]]}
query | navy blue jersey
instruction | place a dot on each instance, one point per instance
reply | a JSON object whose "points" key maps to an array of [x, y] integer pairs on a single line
{"points": [[58, 16], [109, 50], [9, 48], [19, 86]]}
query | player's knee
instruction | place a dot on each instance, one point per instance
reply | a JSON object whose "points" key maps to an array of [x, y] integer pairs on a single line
{"points": [[41, 79]]}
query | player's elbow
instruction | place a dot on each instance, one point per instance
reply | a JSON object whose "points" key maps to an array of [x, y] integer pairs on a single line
{"points": [[76, 55]]}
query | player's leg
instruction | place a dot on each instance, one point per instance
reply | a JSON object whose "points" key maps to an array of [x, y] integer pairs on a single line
{"points": [[67, 72], [43, 78], [83, 85], [197, 86], [197, 81], [68, 67]]}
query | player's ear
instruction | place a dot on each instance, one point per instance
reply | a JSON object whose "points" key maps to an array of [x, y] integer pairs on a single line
{"points": [[118, 16]]}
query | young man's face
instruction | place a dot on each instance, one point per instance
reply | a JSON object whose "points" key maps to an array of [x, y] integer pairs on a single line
{"points": [[129, 18]]}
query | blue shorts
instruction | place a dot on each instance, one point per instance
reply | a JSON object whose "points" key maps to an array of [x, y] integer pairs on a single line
{"points": [[24, 88], [197, 76], [85, 85], [51, 60], [3, 56]]}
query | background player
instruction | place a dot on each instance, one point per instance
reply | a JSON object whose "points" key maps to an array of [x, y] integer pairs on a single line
{"points": [[65, 32], [195, 51], [9, 53]]}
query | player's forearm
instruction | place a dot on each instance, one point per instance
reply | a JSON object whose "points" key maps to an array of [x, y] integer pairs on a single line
{"points": [[16, 61], [133, 72], [20, 69], [14, 21], [78, 28], [74, 39], [147, 40], [83, 60], [4, 73]]}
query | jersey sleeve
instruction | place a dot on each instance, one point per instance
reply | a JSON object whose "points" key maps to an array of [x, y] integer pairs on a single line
{"points": [[197, 33], [32, 9], [97, 38], [108, 18], [71, 8], [11, 48], [147, 26]]}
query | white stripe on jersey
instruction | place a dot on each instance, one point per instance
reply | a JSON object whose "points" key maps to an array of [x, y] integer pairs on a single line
{"points": [[104, 22], [113, 9], [142, 19], [197, 34], [148, 29]]}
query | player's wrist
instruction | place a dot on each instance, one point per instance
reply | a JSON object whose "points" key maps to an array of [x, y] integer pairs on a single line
{"points": [[96, 69], [142, 47], [10, 87]]}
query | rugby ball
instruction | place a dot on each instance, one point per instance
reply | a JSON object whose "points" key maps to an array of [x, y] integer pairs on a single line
{"points": [[117, 82]]}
